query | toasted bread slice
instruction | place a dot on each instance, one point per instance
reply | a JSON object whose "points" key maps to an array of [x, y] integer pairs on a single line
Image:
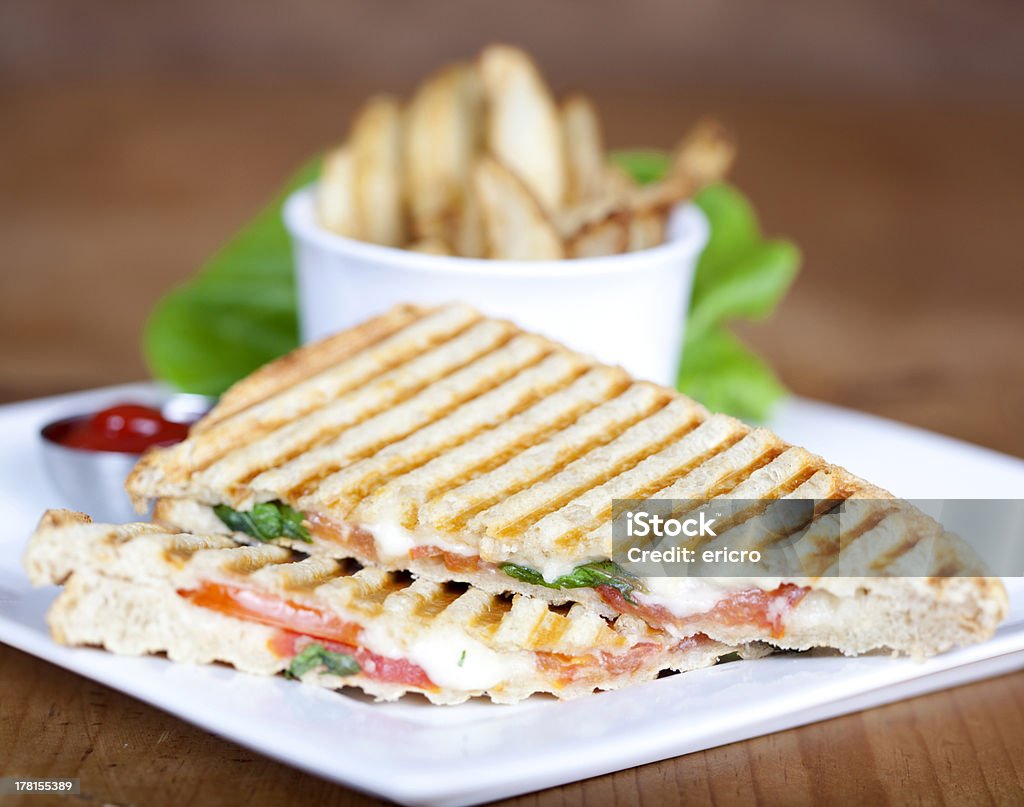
{"points": [[137, 589], [457, 445]]}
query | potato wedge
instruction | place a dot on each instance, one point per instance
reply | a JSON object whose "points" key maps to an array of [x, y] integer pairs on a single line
{"points": [[443, 135], [430, 246], [584, 150], [377, 151], [615, 194], [335, 200], [523, 130], [647, 228], [516, 225], [467, 226], [609, 236], [703, 156]]}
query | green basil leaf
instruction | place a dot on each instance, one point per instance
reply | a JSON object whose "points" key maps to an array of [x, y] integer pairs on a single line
{"points": [[268, 522], [305, 660], [339, 663], [589, 575], [316, 655], [239, 522], [292, 525], [526, 575]]}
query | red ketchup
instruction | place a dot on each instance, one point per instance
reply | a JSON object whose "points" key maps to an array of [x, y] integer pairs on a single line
{"points": [[125, 428]]}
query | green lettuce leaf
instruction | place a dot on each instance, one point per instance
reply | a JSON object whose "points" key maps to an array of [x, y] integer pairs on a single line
{"points": [[644, 165], [726, 376]]}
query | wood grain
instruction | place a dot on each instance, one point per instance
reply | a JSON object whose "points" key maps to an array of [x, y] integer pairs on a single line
{"points": [[909, 305]]}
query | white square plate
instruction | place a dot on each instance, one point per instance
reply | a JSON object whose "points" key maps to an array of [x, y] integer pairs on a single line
{"points": [[415, 753]]}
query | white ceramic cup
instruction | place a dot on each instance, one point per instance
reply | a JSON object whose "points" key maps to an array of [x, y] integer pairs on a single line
{"points": [[627, 309]]}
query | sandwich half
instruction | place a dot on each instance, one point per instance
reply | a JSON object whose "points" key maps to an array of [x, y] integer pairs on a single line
{"points": [[460, 448], [265, 609]]}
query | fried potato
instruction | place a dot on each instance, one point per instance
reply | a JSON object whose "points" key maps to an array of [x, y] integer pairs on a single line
{"points": [[609, 236], [704, 155], [647, 228], [377, 152], [485, 163], [523, 130], [430, 246], [584, 150], [516, 225], [443, 135], [335, 201], [467, 226], [614, 193]]}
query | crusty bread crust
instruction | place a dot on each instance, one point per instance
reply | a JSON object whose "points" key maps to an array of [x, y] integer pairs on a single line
{"points": [[308, 360]]}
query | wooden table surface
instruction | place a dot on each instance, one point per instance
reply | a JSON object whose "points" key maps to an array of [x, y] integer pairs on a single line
{"points": [[909, 306]]}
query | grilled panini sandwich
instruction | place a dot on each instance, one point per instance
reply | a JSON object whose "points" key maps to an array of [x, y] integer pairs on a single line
{"points": [[457, 447], [264, 609]]}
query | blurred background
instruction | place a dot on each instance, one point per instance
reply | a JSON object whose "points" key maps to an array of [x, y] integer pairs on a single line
{"points": [[883, 137]]}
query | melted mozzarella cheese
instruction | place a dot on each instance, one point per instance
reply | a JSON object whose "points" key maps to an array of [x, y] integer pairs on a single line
{"points": [[688, 596], [394, 542], [451, 659], [455, 661]]}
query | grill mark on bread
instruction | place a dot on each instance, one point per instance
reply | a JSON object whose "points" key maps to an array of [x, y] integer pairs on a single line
{"points": [[760, 505], [502, 458], [550, 628], [307, 361], [647, 489], [624, 465], [645, 438], [422, 414], [411, 521], [827, 551], [434, 600], [823, 508], [569, 455], [513, 437], [354, 491], [222, 436], [303, 575], [488, 619], [300, 437]]}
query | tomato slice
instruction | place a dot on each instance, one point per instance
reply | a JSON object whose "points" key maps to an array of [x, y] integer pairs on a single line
{"points": [[754, 606], [569, 669], [302, 624], [288, 644], [330, 531], [453, 561], [269, 609]]}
